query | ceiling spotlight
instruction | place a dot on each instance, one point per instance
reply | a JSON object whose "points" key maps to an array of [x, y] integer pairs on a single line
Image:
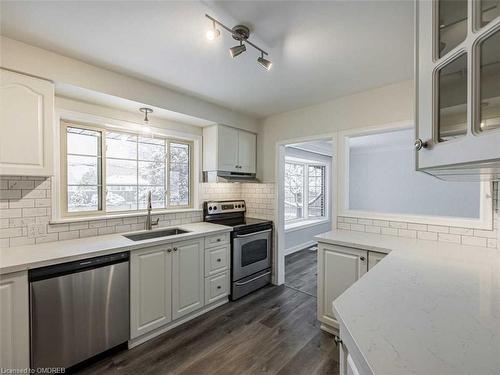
{"points": [[237, 50], [266, 64], [213, 33], [146, 128]]}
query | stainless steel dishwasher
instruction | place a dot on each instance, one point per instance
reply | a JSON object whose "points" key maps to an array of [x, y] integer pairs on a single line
{"points": [[78, 310]]}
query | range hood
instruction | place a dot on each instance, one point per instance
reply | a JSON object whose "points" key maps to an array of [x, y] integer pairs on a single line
{"points": [[223, 176]]}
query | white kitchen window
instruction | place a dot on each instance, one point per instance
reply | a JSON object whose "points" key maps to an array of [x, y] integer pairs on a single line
{"points": [[379, 181], [107, 171], [305, 191]]}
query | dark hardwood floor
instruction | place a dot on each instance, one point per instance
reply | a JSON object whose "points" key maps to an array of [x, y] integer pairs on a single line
{"points": [[272, 331], [301, 271]]}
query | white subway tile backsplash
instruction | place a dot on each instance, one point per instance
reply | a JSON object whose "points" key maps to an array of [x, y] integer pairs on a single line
{"points": [[438, 228], [474, 241], [10, 194], [88, 232], [390, 231], [26, 201], [17, 184], [407, 233], [430, 236], [398, 225], [446, 237], [419, 227], [71, 235], [79, 225]]}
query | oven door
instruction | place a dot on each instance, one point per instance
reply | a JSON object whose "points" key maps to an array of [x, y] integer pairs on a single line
{"points": [[251, 253]]}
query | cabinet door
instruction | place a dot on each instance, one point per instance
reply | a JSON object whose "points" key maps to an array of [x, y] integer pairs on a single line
{"points": [[187, 277], [14, 321], [458, 84], [227, 142], [374, 258], [247, 143], [338, 268], [150, 289], [26, 125]]}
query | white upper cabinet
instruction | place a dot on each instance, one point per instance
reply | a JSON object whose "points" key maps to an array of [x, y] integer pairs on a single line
{"points": [[458, 87], [229, 149], [26, 125], [227, 141], [246, 151]]}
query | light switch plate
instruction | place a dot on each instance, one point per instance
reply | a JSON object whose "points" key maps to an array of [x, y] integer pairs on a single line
{"points": [[36, 230]]}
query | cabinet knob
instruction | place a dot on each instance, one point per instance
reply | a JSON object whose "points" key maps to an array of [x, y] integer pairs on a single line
{"points": [[218, 239], [175, 249], [219, 260], [362, 259], [419, 144], [337, 340], [219, 287], [169, 250]]}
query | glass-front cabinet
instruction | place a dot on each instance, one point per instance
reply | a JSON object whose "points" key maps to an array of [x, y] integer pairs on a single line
{"points": [[458, 88]]}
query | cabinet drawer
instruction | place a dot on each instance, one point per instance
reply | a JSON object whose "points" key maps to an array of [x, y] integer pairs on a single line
{"points": [[216, 260], [216, 240], [216, 287]]}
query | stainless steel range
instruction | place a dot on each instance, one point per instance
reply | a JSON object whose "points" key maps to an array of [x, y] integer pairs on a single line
{"points": [[251, 245]]}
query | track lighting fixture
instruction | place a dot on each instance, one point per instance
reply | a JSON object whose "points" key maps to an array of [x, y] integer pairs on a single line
{"points": [[266, 64], [237, 50], [146, 128], [240, 33]]}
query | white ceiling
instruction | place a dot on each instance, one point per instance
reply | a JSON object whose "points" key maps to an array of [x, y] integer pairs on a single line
{"points": [[320, 49]]}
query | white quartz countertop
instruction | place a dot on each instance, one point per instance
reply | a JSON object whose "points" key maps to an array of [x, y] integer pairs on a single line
{"points": [[33, 256], [427, 308]]}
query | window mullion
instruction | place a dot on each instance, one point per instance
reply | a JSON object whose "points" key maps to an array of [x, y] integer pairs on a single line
{"points": [[306, 191], [104, 186]]}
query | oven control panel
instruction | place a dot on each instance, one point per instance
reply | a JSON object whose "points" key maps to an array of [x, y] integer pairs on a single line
{"points": [[220, 207]]}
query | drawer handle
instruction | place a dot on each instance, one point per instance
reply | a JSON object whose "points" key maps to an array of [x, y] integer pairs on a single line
{"points": [[219, 260], [219, 287], [362, 259], [218, 239]]}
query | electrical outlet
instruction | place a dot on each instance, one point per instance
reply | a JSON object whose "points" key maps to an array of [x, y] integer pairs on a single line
{"points": [[37, 230]]}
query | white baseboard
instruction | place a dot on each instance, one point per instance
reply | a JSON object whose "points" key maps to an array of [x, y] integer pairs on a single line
{"points": [[148, 336], [302, 246]]}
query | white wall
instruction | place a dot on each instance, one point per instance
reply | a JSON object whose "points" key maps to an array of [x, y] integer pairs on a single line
{"points": [[379, 106], [63, 70]]}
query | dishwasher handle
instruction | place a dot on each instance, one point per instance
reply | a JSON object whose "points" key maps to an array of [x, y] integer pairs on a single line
{"points": [[49, 272]]}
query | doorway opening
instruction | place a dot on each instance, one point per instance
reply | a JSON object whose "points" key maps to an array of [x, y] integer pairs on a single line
{"points": [[305, 203]]}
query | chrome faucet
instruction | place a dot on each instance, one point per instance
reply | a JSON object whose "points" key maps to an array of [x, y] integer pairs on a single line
{"points": [[149, 222]]}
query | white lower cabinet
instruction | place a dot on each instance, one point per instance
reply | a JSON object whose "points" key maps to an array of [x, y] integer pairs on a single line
{"points": [[187, 277], [374, 258], [216, 287], [338, 268], [171, 282], [14, 321], [150, 289]]}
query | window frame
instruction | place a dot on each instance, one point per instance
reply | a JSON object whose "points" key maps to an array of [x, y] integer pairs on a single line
{"points": [[485, 220], [63, 185], [305, 211]]}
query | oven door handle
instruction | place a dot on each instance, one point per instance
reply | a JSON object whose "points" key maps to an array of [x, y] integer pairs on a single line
{"points": [[252, 234], [255, 278]]}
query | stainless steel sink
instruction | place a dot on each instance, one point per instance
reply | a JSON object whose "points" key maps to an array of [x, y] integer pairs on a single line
{"points": [[155, 234]]}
